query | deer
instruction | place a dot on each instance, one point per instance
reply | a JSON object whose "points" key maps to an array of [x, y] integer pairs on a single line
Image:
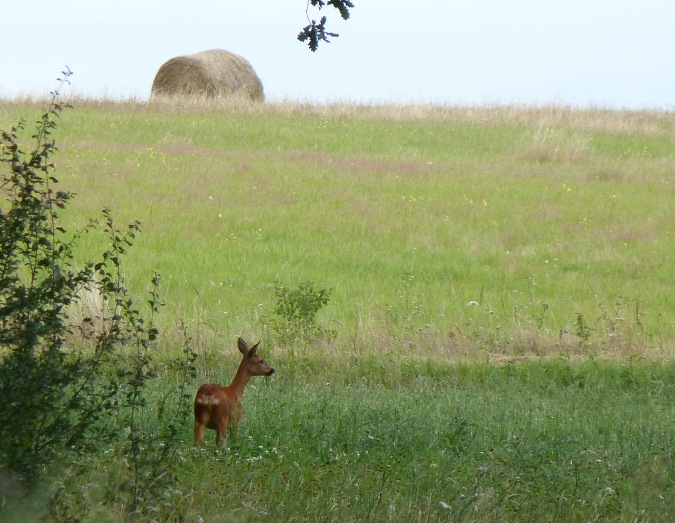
{"points": [[216, 406]]}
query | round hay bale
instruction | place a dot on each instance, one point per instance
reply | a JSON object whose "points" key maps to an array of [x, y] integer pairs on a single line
{"points": [[213, 73]]}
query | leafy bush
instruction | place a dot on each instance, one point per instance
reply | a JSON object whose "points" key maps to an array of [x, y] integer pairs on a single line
{"points": [[295, 313], [59, 403], [49, 396]]}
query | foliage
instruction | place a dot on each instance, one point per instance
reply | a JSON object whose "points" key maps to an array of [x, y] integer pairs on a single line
{"points": [[315, 33], [295, 313], [582, 330], [60, 401], [48, 395]]}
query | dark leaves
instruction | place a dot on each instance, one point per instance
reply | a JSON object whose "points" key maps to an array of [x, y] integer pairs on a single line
{"points": [[314, 32], [343, 6]]}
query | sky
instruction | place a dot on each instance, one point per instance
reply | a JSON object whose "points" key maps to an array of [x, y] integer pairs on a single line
{"points": [[615, 54]]}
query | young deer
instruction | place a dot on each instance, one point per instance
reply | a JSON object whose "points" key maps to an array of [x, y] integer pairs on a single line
{"points": [[215, 406]]}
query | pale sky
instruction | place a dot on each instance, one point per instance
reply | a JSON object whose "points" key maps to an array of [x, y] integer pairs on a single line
{"points": [[607, 53]]}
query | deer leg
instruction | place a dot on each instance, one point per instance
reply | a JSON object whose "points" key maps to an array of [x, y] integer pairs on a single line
{"points": [[199, 433], [238, 416], [221, 429]]}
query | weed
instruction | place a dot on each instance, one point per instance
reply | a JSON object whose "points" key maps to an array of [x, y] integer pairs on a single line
{"points": [[551, 144], [295, 313], [540, 318], [407, 321], [582, 330]]}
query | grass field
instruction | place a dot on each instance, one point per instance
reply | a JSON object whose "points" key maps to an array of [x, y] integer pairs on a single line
{"points": [[389, 440], [501, 301], [537, 216]]}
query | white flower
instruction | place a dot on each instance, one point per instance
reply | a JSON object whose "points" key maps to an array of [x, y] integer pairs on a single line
{"points": [[444, 505]]}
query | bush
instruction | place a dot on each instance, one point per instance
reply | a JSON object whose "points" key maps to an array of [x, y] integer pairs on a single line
{"points": [[295, 313], [59, 403], [48, 394]]}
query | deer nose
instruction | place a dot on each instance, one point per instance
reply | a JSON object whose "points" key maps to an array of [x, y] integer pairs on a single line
{"points": [[270, 372]]}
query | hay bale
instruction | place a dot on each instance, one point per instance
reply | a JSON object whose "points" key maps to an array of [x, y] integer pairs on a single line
{"points": [[213, 73]]}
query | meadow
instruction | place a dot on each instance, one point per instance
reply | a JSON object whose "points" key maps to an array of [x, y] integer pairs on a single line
{"points": [[475, 231], [498, 343]]}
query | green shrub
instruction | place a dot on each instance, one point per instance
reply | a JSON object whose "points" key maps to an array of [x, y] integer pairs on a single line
{"points": [[60, 403], [295, 313]]}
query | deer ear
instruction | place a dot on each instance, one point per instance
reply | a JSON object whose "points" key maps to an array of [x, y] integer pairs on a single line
{"points": [[253, 349], [243, 346]]}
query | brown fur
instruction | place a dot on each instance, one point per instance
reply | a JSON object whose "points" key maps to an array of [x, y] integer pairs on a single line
{"points": [[216, 406]]}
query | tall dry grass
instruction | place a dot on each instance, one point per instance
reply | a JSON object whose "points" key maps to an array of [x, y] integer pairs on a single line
{"points": [[594, 119]]}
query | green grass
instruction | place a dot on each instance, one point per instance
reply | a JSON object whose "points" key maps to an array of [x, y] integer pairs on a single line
{"points": [[549, 399], [538, 442], [367, 439], [408, 215]]}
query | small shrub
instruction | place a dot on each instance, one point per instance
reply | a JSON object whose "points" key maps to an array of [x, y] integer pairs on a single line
{"points": [[583, 331], [295, 313]]}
